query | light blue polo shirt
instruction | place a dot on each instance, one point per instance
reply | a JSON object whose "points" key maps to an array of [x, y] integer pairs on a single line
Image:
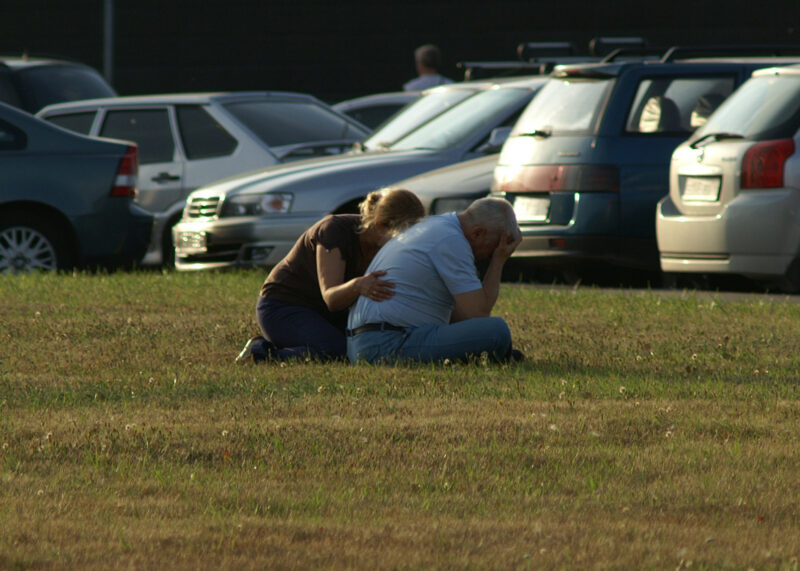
{"points": [[428, 264]]}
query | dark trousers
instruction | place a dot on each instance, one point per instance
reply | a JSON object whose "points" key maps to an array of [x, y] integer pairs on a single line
{"points": [[300, 332]]}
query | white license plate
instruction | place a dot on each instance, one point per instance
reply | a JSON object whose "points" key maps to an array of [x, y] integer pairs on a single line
{"points": [[191, 242], [531, 209], [704, 189]]}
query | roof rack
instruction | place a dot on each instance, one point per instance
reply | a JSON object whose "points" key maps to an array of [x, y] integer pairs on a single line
{"points": [[739, 50], [482, 69], [604, 45], [642, 52], [533, 51], [541, 57]]}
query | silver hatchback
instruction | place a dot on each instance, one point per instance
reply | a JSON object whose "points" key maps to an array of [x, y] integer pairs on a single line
{"points": [[734, 201], [189, 140]]}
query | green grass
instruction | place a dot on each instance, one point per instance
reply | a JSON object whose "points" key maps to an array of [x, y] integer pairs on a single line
{"points": [[644, 430]]}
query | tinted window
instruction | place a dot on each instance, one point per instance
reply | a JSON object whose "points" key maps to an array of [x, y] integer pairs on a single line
{"points": [[762, 108], [481, 112], [8, 93], [11, 138], [149, 128], [43, 85], [280, 123], [676, 105], [419, 112], [78, 122], [565, 106], [202, 136], [375, 115]]}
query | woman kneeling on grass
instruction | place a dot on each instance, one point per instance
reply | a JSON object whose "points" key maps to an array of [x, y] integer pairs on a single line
{"points": [[302, 308]]}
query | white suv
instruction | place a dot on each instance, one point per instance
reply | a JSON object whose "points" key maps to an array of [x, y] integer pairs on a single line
{"points": [[734, 201]]}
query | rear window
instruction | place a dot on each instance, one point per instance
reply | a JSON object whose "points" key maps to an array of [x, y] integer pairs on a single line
{"points": [[77, 122], [43, 85], [422, 110], [676, 105], [279, 123], [565, 106], [763, 108]]}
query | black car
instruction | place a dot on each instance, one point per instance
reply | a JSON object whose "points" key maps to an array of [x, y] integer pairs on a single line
{"points": [[32, 83]]}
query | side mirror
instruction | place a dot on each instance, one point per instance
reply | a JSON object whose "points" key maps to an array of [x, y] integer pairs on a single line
{"points": [[497, 137]]}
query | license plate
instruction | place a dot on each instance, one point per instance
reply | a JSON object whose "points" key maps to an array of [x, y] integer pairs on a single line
{"points": [[702, 189], [191, 242], [531, 209]]}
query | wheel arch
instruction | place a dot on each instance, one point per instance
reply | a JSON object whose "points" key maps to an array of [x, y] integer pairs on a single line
{"points": [[52, 216]]}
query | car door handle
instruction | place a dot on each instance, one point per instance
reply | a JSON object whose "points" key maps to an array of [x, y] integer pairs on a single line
{"points": [[165, 177]]}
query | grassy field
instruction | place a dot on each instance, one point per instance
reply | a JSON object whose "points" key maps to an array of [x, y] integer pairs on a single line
{"points": [[643, 431]]}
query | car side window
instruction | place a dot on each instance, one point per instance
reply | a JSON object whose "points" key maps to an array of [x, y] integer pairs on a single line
{"points": [[202, 136], [148, 128], [77, 122], [676, 105], [11, 137], [8, 93]]}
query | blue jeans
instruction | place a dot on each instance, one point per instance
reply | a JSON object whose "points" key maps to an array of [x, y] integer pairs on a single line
{"points": [[300, 332], [430, 343]]}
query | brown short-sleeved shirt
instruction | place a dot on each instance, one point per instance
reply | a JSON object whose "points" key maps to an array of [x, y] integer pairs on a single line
{"points": [[294, 280]]}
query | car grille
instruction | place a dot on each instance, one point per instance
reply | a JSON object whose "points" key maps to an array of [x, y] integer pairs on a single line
{"points": [[203, 207]]}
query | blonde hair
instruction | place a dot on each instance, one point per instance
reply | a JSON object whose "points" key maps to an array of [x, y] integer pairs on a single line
{"points": [[393, 208]]}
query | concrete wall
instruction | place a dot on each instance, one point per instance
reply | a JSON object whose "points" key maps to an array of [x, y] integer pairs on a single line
{"points": [[344, 48]]}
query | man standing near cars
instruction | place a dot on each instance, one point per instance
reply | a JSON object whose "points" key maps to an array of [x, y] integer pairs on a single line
{"points": [[440, 309], [428, 61]]}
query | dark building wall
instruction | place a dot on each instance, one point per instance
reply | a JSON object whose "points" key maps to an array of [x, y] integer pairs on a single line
{"points": [[347, 48]]}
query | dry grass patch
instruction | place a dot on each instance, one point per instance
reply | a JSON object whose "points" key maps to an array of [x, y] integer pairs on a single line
{"points": [[643, 431]]}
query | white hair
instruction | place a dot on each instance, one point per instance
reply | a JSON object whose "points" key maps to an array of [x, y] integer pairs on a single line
{"points": [[496, 214]]}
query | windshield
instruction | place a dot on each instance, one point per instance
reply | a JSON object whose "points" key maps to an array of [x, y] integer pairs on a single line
{"points": [[763, 108], [567, 105], [279, 123], [423, 109], [43, 85], [480, 113]]}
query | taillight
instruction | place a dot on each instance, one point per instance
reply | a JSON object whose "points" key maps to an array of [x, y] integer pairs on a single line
{"points": [[127, 174], [559, 178], [762, 166]]}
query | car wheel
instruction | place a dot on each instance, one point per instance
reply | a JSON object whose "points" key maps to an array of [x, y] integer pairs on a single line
{"points": [[168, 248], [28, 243]]}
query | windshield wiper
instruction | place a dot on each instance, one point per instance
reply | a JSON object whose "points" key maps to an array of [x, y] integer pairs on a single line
{"points": [[715, 137], [536, 133]]}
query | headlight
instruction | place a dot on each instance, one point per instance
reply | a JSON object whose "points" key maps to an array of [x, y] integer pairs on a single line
{"points": [[442, 205], [257, 204]]}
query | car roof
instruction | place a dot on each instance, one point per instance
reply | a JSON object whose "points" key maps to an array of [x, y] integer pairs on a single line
{"points": [[617, 66], [22, 62], [179, 98], [784, 70]]}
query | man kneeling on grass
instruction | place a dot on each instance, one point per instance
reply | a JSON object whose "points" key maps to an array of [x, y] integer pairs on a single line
{"points": [[440, 309]]}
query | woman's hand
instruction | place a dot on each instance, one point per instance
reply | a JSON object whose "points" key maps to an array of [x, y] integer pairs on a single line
{"points": [[371, 286]]}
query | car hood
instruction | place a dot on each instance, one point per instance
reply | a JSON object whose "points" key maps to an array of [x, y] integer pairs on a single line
{"points": [[362, 172]]}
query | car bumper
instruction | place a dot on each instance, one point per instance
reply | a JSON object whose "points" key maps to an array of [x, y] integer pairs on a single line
{"points": [[237, 242], [126, 241], [583, 228], [757, 234]]}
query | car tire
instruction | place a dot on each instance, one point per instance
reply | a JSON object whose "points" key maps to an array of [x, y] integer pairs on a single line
{"points": [[30, 242], [168, 247]]}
